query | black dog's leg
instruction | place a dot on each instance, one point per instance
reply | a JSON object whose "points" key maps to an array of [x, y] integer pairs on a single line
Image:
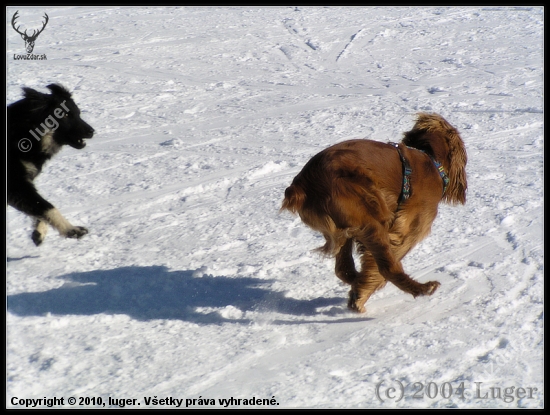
{"points": [[26, 199], [39, 233]]}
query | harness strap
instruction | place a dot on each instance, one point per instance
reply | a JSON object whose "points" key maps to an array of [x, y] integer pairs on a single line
{"points": [[407, 171], [442, 173]]}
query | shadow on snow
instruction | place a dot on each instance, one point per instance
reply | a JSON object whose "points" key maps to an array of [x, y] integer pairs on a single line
{"points": [[155, 292]]}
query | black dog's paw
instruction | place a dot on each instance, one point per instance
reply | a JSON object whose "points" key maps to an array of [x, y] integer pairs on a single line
{"points": [[77, 232], [37, 237]]}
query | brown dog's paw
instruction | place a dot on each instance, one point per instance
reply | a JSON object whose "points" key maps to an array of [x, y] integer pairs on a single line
{"points": [[354, 303], [427, 288], [355, 307], [77, 232], [430, 287]]}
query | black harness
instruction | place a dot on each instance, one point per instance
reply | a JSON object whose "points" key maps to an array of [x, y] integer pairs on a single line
{"points": [[407, 171]]}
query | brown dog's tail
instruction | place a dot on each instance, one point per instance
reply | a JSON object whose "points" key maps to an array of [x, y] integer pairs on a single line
{"points": [[321, 221], [294, 199]]}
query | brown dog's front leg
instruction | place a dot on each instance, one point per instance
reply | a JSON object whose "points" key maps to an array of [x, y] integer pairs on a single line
{"points": [[367, 283]]}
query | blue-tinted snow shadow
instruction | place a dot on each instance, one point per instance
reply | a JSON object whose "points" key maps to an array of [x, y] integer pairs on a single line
{"points": [[155, 292]]}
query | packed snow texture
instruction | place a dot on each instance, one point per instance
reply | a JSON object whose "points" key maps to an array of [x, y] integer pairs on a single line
{"points": [[192, 286]]}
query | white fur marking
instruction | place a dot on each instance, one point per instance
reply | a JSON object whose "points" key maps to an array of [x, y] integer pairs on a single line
{"points": [[31, 169], [41, 227], [56, 219], [49, 146]]}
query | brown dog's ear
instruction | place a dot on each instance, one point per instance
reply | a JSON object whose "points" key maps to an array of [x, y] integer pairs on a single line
{"points": [[457, 159], [434, 135]]}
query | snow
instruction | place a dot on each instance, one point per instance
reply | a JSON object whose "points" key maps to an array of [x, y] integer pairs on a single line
{"points": [[192, 286]]}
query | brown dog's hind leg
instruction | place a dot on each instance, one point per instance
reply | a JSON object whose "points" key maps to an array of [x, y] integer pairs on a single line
{"points": [[376, 242], [345, 266]]}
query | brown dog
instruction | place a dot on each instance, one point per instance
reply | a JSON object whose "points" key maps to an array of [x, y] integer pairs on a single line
{"points": [[383, 197]]}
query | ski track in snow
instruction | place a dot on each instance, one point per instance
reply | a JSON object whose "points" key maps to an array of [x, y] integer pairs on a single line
{"points": [[191, 285]]}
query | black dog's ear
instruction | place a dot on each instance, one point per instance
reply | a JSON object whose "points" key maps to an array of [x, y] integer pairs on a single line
{"points": [[59, 90], [32, 94], [38, 100]]}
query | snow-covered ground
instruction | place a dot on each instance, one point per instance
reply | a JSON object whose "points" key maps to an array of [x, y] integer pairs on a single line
{"points": [[191, 285]]}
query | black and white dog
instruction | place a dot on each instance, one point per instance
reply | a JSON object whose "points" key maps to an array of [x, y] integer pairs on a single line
{"points": [[38, 126]]}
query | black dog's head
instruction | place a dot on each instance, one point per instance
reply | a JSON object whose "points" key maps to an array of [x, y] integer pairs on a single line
{"points": [[60, 115]]}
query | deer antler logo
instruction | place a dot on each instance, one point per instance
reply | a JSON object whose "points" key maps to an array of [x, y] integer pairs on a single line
{"points": [[29, 40]]}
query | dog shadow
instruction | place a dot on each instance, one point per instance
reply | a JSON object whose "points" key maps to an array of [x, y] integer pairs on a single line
{"points": [[154, 292]]}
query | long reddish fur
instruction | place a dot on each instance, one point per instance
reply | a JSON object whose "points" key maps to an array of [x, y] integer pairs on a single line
{"points": [[350, 193]]}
